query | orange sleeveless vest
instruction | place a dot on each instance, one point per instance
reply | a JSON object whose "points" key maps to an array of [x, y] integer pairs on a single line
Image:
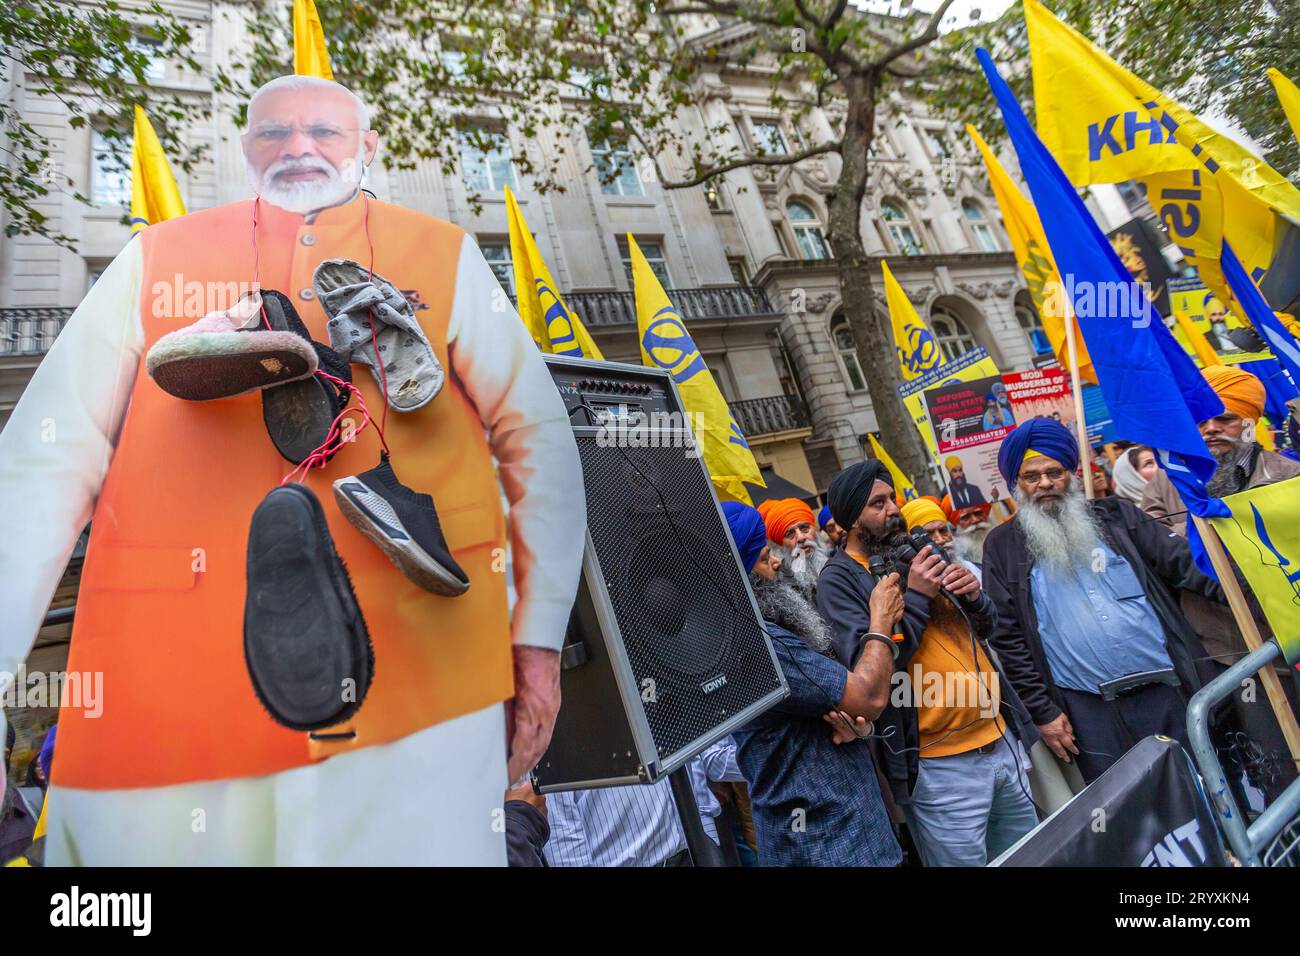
{"points": [[161, 607]]}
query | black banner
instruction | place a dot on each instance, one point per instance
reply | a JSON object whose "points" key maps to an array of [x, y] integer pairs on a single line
{"points": [[1146, 810]]}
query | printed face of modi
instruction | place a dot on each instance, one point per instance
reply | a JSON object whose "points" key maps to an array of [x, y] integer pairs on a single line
{"points": [[304, 150]]}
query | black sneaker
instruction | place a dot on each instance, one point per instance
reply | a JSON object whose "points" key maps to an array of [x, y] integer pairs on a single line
{"points": [[298, 415], [305, 642], [404, 524]]}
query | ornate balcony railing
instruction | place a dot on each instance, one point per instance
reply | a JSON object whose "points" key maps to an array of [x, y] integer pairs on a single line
{"points": [[31, 330], [721, 302], [767, 416]]}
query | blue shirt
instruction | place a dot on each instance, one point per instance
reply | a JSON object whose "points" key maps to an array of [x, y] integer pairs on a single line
{"points": [[814, 803], [1096, 626], [636, 825]]}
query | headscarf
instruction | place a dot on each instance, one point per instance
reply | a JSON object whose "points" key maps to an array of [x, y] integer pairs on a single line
{"points": [[823, 516], [1046, 436], [850, 489], [1129, 482], [747, 530], [1242, 393], [780, 516], [921, 512], [46, 756]]}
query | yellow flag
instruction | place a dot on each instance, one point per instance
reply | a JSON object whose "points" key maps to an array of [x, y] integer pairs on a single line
{"points": [[1264, 539], [1200, 345], [1029, 243], [553, 325], [902, 484], [310, 56], [1105, 125], [917, 350], [666, 344], [155, 196], [1289, 96]]}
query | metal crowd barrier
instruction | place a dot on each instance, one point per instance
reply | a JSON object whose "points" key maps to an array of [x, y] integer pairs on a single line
{"points": [[1274, 838]]}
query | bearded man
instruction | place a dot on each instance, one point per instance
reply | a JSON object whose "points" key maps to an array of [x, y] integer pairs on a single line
{"points": [[963, 492], [1087, 593], [950, 762], [173, 484], [795, 764], [792, 532], [1243, 464], [970, 527]]}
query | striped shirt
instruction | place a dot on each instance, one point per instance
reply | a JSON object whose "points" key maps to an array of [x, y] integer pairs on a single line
{"points": [[635, 825]]}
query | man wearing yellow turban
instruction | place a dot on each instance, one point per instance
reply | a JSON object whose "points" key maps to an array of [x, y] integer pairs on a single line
{"points": [[1243, 464], [925, 514]]}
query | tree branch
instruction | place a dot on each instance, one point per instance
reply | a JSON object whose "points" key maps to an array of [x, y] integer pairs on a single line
{"points": [[786, 160], [925, 38]]}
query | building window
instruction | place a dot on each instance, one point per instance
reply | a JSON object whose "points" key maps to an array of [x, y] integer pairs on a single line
{"points": [[497, 254], [900, 228], [979, 226], [808, 233], [453, 61], [769, 139], [616, 170], [847, 348], [1134, 194], [485, 162], [110, 175], [653, 250], [737, 264], [713, 194], [155, 67], [950, 332], [937, 142], [1032, 324]]}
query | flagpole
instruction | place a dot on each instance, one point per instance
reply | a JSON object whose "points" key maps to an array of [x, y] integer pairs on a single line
{"points": [[1250, 631], [1080, 424]]}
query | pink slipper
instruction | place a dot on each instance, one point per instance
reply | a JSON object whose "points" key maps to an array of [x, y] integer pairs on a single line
{"points": [[228, 353]]}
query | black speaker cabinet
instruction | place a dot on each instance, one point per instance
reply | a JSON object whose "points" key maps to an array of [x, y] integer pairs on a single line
{"points": [[665, 651]]}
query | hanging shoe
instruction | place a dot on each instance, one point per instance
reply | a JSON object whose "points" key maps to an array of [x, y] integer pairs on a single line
{"points": [[350, 297], [305, 642], [225, 354], [299, 415], [404, 525]]}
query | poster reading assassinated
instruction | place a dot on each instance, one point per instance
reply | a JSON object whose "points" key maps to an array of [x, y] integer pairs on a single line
{"points": [[969, 420]]}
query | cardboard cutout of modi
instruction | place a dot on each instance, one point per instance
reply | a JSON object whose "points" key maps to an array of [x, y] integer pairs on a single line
{"points": [[252, 540]]}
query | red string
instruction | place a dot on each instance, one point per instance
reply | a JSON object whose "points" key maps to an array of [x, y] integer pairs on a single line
{"points": [[334, 439]]}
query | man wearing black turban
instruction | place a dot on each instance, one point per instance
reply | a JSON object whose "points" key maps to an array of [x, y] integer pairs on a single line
{"points": [[963, 742]]}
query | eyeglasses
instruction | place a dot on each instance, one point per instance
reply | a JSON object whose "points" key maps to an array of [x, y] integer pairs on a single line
{"points": [[1034, 477], [322, 134]]}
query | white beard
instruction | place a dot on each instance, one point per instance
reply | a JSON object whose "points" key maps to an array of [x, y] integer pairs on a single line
{"points": [[305, 197], [804, 566], [784, 605], [968, 543], [1061, 534]]}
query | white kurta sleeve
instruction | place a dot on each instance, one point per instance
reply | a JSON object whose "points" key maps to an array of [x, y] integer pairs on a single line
{"points": [[502, 371], [55, 448]]}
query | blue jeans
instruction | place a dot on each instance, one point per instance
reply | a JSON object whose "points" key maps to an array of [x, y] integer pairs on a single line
{"points": [[968, 808]]}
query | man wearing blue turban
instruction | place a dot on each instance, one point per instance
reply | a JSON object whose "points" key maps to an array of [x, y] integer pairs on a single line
{"points": [[808, 751], [1087, 595]]}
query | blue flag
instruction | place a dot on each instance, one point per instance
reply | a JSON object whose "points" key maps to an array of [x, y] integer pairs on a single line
{"points": [[1285, 348], [1154, 391]]}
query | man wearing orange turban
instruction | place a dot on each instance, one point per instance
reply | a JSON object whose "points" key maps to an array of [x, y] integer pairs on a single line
{"points": [[792, 529]]}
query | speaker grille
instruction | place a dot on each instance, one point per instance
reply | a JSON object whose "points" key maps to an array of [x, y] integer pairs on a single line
{"points": [[675, 590]]}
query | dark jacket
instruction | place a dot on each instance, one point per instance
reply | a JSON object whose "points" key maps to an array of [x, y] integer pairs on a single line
{"points": [[526, 833], [1163, 564], [843, 594]]}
